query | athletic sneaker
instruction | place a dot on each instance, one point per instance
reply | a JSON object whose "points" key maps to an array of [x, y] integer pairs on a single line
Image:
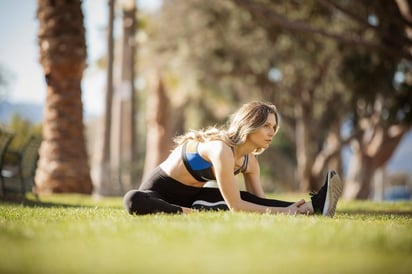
{"points": [[324, 202], [209, 206]]}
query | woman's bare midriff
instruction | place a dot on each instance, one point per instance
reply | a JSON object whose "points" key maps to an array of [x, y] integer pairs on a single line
{"points": [[175, 168]]}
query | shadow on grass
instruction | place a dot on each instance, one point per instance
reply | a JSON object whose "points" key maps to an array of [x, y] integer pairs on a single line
{"points": [[36, 202]]}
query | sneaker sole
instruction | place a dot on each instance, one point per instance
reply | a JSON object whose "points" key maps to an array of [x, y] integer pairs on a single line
{"points": [[204, 205], [334, 192]]}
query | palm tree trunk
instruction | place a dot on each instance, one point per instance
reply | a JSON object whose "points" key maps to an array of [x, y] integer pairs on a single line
{"points": [[129, 111], [63, 165], [101, 169], [159, 137]]}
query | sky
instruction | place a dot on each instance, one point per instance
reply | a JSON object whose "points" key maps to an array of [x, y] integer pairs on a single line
{"points": [[19, 51]]}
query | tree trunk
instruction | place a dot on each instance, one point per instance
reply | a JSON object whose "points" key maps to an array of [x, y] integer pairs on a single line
{"points": [[329, 158], [63, 165], [370, 156], [360, 174], [158, 142], [124, 141], [101, 170], [304, 148]]}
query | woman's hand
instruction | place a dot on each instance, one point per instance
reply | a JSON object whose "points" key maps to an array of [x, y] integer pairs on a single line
{"points": [[306, 208], [293, 209]]}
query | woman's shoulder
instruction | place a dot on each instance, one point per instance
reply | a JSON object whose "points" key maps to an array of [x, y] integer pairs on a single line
{"points": [[215, 147], [216, 144]]}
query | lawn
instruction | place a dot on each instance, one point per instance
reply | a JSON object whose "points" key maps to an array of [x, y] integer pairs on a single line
{"points": [[75, 234]]}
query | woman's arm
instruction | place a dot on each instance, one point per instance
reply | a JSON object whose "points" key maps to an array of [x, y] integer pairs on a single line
{"points": [[252, 177], [222, 159]]}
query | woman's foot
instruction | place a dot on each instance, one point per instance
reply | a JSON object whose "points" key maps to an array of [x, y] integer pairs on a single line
{"points": [[324, 202]]}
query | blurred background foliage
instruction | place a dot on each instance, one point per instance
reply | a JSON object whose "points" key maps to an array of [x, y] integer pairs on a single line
{"points": [[22, 130], [338, 71], [323, 63]]}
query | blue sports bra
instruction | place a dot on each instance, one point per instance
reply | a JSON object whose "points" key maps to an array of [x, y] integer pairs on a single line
{"points": [[198, 167]]}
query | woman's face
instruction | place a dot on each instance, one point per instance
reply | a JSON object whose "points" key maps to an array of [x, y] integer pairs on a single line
{"points": [[262, 137]]}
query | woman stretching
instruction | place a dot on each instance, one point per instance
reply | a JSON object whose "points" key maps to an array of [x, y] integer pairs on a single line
{"points": [[176, 185]]}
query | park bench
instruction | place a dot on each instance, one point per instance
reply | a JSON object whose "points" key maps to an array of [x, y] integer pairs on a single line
{"points": [[5, 139], [19, 176]]}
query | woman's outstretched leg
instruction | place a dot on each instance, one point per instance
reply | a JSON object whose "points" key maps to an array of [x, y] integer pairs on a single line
{"points": [[141, 202], [247, 196], [212, 199]]}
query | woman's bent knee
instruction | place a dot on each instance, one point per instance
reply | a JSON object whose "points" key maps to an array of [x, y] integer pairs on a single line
{"points": [[146, 202], [134, 201]]}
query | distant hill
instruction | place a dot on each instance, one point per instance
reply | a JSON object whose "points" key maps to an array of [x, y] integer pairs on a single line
{"points": [[31, 112]]}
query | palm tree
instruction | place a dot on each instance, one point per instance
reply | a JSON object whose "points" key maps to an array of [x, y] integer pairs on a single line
{"points": [[123, 138], [63, 165], [101, 169]]}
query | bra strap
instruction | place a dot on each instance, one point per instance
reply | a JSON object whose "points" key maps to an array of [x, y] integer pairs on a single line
{"points": [[187, 165], [245, 162], [243, 167]]}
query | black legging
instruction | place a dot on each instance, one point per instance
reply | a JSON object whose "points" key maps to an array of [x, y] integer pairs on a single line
{"points": [[162, 194]]}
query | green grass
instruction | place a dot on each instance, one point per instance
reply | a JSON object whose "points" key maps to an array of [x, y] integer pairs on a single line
{"points": [[74, 234]]}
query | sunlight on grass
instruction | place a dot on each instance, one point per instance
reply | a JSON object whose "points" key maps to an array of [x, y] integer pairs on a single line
{"points": [[76, 234]]}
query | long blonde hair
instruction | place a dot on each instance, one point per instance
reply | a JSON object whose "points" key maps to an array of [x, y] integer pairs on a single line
{"points": [[246, 120]]}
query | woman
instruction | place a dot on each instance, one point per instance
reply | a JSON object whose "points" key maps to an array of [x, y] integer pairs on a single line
{"points": [[176, 186]]}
